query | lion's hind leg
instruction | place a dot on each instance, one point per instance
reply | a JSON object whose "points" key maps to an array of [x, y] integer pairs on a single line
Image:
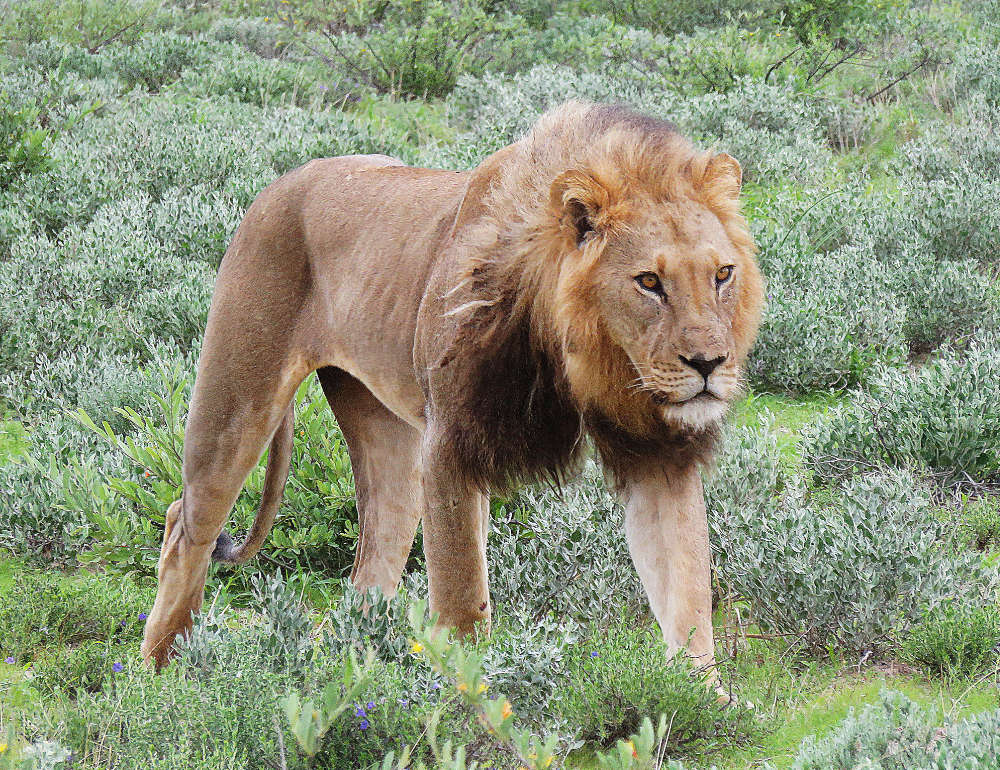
{"points": [[241, 396], [385, 459]]}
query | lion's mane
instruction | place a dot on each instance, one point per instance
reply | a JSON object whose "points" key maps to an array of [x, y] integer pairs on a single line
{"points": [[519, 306]]}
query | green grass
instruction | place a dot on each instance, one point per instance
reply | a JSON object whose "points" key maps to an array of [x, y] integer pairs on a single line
{"points": [[798, 697], [786, 416], [793, 696], [13, 441], [829, 695]]}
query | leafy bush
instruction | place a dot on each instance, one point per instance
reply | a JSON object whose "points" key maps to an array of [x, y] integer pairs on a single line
{"points": [[895, 731], [954, 639], [972, 743], [414, 47], [526, 658], [23, 144], [771, 130], [565, 549], [951, 219], [976, 69], [31, 523], [157, 59], [844, 568], [263, 37], [898, 734], [939, 418], [89, 665], [822, 328], [392, 713], [668, 18], [368, 620], [88, 23], [241, 75], [955, 150], [232, 709], [123, 515], [623, 673]]}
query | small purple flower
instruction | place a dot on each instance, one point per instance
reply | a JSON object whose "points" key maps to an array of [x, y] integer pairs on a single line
{"points": [[143, 616], [364, 725], [370, 705], [404, 702], [436, 686], [123, 624], [594, 654], [9, 660], [117, 668], [359, 712]]}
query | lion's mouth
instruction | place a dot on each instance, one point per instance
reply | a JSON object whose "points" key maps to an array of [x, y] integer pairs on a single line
{"points": [[662, 399]]}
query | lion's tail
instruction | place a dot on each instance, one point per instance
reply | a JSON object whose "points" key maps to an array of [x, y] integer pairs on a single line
{"points": [[275, 476]]}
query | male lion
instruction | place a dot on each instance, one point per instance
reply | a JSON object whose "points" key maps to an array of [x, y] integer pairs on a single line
{"points": [[468, 329]]}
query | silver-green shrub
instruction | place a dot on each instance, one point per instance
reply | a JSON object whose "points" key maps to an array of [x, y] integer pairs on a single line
{"points": [[846, 568], [893, 734], [824, 327], [976, 71], [773, 132], [563, 552], [898, 734], [940, 418]]}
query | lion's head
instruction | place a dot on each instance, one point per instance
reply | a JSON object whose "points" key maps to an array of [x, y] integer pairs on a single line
{"points": [[658, 295], [624, 251]]}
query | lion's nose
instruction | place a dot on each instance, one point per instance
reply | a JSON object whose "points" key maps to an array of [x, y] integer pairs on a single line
{"points": [[703, 366]]}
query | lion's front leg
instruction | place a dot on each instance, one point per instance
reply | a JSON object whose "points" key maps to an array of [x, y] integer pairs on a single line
{"points": [[455, 522], [667, 531]]}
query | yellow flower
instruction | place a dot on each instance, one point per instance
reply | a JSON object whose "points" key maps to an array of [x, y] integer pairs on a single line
{"points": [[3, 747], [483, 687], [549, 761], [416, 648], [632, 746], [507, 711], [462, 686]]}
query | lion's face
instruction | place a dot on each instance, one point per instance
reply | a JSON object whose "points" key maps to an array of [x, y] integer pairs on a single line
{"points": [[667, 293], [672, 297]]}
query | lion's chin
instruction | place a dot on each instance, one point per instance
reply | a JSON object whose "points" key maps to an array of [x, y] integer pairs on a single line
{"points": [[696, 414]]}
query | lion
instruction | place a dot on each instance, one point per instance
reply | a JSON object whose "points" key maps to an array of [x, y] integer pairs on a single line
{"points": [[469, 330]]}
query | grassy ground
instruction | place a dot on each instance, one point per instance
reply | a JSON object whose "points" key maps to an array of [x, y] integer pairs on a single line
{"points": [[86, 621], [793, 696], [785, 416], [13, 440]]}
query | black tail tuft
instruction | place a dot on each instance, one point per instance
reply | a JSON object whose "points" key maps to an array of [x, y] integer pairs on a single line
{"points": [[224, 548]]}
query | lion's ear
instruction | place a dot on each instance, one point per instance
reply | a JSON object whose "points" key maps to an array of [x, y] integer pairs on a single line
{"points": [[723, 176], [580, 202]]}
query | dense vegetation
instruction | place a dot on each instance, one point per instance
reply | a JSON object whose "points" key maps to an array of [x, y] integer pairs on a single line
{"points": [[854, 514]]}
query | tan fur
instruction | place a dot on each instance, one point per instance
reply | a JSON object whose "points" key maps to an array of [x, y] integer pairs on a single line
{"points": [[469, 330]]}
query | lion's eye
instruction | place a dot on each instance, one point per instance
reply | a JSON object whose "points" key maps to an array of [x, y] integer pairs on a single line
{"points": [[723, 274], [650, 282]]}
